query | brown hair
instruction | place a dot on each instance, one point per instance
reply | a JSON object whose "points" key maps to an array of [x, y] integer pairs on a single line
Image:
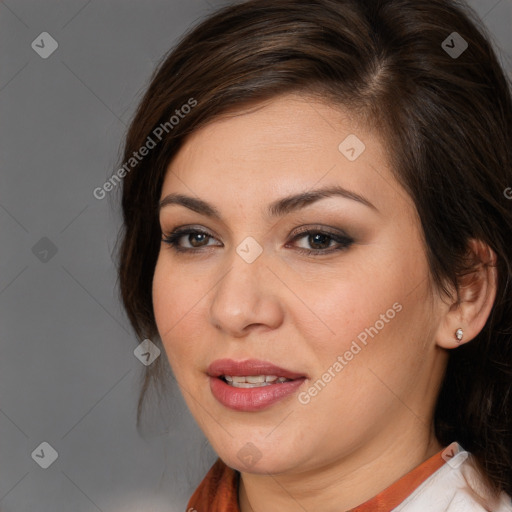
{"points": [[447, 119]]}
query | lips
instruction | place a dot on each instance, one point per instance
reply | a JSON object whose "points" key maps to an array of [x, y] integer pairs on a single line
{"points": [[248, 398], [249, 367]]}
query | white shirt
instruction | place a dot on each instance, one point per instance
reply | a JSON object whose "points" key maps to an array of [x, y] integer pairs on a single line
{"points": [[454, 487]]}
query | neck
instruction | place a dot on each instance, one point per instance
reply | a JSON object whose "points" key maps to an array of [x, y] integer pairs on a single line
{"points": [[350, 481]]}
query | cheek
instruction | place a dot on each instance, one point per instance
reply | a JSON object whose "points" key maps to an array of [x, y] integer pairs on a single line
{"points": [[382, 340], [177, 302], [166, 305], [374, 311], [345, 303]]}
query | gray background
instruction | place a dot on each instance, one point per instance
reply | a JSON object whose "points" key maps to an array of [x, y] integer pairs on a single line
{"points": [[68, 374]]}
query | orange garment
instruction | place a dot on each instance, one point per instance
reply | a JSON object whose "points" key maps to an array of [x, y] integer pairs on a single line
{"points": [[392, 496], [218, 492]]}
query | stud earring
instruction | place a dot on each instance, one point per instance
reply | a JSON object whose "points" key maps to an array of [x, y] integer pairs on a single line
{"points": [[458, 334]]}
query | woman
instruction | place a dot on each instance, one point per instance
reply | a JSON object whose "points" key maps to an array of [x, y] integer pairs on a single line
{"points": [[317, 233]]}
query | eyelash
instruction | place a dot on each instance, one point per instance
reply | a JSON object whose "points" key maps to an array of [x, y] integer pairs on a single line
{"points": [[344, 241]]}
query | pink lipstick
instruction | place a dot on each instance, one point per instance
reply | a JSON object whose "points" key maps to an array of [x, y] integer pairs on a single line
{"points": [[251, 385]]}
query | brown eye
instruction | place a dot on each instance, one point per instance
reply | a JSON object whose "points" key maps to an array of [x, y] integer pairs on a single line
{"points": [[316, 242], [189, 239], [319, 241], [198, 239]]}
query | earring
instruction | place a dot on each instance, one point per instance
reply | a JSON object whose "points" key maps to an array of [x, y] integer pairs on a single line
{"points": [[458, 334]]}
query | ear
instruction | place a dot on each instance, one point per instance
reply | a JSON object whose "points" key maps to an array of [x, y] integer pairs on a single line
{"points": [[469, 309]]}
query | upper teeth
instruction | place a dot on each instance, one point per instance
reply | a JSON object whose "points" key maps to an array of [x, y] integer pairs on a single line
{"points": [[253, 380]]}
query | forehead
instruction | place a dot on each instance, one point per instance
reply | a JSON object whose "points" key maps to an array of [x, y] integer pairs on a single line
{"points": [[286, 145]]}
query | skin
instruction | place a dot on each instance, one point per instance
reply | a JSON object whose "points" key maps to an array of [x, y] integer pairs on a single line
{"points": [[372, 423]]}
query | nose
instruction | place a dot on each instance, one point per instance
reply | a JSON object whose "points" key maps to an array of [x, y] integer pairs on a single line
{"points": [[246, 298]]}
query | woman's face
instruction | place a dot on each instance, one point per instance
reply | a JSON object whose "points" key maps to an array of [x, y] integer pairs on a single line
{"points": [[298, 249]]}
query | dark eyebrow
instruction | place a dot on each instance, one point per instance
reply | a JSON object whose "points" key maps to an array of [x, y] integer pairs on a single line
{"points": [[295, 202], [192, 203], [276, 209]]}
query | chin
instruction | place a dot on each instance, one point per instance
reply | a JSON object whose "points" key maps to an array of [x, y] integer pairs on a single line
{"points": [[259, 468], [261, 461]]}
